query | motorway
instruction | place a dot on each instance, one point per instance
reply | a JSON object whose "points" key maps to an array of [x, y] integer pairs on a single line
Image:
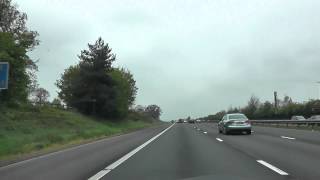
{"points": [[182, 151]]}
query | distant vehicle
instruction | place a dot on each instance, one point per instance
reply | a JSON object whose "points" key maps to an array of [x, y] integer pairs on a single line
{"points": [[180, 121], [298, 118], [191, 121], [198, 121], [234, 123], [185, 121], [315, 117]]}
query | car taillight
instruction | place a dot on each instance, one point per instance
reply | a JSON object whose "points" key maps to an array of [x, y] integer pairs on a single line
{"points": [[248, 122]]}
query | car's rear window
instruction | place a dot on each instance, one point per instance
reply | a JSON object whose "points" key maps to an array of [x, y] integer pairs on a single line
{"points": [[237, 116]]}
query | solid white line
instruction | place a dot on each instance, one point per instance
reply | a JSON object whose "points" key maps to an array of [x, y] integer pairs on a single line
{"points": [[205, 132], [125, 157], [285, 137], [219, 139], [100, 174], [279, 171]]}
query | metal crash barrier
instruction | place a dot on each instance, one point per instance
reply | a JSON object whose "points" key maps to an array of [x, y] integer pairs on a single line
{"points": [[311, 123]]}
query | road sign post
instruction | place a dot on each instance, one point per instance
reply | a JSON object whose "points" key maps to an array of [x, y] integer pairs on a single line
{"points": [[4, 75]]}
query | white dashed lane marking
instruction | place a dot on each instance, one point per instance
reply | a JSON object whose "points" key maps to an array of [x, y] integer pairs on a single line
{"points": [[285, 137], [279, 171], [219, 139]]}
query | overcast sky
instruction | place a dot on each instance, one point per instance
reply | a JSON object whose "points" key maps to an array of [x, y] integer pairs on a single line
{"points": [[191, 57]]}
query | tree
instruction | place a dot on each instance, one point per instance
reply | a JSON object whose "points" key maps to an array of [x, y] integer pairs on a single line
{"points": [[15, 41], [89, 86], [131, 88], [96, 94], [286, 101], [312, 107], [41, 96], [251, 108], [125, 90], [219, 115], [57, 103], [233, 110], [19, 80], [154, 111], [68, 85], [265, 111], [14, 22], [94, 87]]}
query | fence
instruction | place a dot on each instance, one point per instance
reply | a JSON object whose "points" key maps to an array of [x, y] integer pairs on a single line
{"points": [[287, 122]]}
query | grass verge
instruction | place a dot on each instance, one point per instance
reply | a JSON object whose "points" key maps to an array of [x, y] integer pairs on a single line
{"points": [[44, 129]]}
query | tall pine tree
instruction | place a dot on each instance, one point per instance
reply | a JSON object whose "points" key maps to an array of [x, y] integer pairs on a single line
{"points": [[88, 86]]}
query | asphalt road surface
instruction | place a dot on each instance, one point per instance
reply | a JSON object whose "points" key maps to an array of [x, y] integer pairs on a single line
{"points": [[182, 151]]}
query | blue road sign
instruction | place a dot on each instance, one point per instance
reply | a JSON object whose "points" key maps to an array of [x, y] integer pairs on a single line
{"points": [[4, 75]]}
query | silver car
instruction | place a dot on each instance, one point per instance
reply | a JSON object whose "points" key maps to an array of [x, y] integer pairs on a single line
{"points": [[234, 123], [315, 117], [298, 118]]}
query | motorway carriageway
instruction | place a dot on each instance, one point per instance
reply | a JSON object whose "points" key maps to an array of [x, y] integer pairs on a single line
{"points": [[182, 151]]}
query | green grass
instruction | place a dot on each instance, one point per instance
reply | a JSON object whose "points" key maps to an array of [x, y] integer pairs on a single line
{"points": [[38, 129]]}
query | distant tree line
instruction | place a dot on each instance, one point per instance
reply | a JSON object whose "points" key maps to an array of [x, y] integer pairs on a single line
{"points": [[285, 109]]}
